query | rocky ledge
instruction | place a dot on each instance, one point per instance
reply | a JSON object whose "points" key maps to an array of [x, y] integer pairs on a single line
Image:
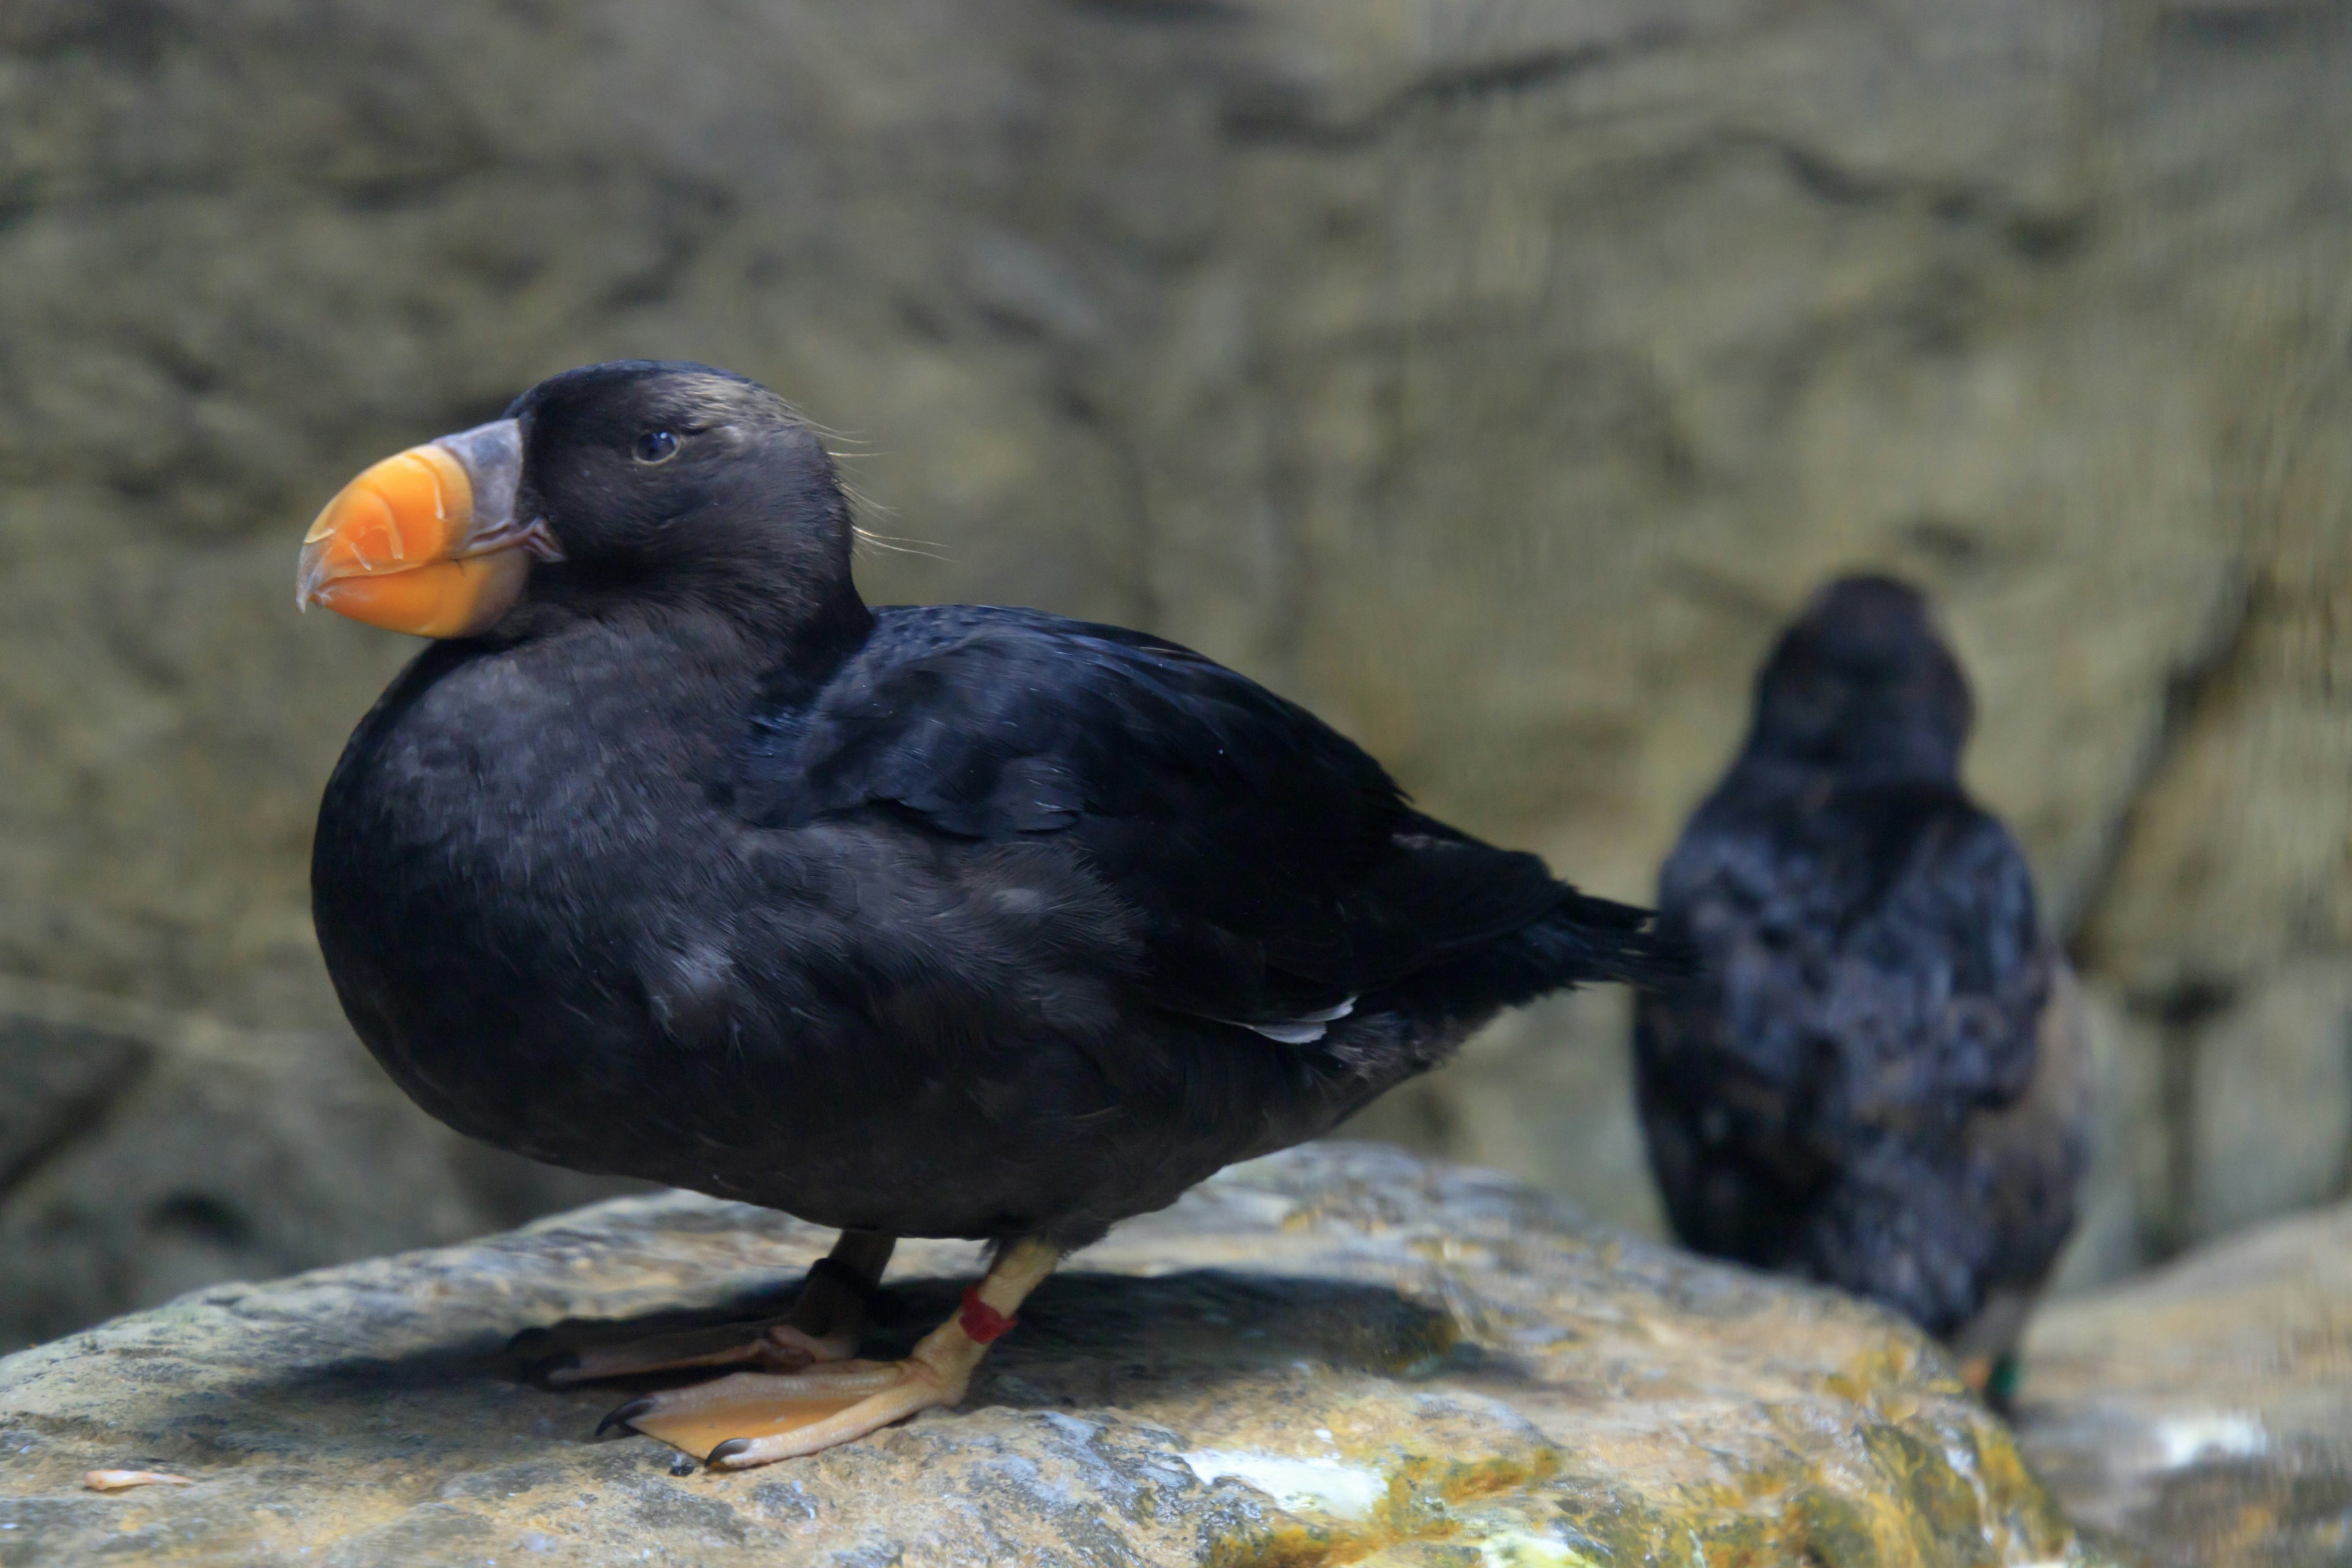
{"points": [[1341, 1354], [2204, 1411]]}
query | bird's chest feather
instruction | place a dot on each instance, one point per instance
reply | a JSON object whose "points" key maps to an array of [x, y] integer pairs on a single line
{"points": [[568, 797]]}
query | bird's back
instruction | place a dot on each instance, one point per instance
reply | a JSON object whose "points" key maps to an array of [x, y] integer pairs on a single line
{"points": [[1826, 1099]]}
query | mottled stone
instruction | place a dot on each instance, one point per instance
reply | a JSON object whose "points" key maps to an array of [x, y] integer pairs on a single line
{"points": [[2271, 1114], [143, 1155], [2204, 1413], [1338, 1355], [60, 1077]]}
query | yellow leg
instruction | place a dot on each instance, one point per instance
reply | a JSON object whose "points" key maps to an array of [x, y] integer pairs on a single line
{"points": [[751, 1418]]}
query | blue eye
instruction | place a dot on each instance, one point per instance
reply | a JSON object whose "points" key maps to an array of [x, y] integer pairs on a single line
{"points": [[656, 447]]}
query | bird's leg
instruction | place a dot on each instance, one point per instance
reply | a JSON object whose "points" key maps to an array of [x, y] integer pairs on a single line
{"points": [[828, 1322], [825, 1325], [752, 1418], [1987, 1347], [1994, 1380]]}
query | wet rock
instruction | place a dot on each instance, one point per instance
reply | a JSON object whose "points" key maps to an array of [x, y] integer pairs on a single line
{"points": [[1339, 1354], [2204, 1413]]}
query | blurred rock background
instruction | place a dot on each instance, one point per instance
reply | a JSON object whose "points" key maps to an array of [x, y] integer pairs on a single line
{"points": [[1492, 376]]}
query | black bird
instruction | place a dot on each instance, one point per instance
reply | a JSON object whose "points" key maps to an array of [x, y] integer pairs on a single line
{"points": [[1877, 1079], [674, 860]]}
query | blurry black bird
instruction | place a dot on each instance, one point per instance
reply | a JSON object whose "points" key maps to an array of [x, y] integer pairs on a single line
{"points": [[676, 860], [1877, 1081]]}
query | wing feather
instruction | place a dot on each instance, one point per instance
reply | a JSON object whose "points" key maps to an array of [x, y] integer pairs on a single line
{"points": [[1277, 871]]}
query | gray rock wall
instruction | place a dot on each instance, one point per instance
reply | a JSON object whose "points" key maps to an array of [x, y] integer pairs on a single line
{"points": [[144, 1155], [1492, 376]]}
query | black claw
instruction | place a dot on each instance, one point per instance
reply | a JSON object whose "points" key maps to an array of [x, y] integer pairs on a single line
{"points": [[623, 1416], [728, 1450]]}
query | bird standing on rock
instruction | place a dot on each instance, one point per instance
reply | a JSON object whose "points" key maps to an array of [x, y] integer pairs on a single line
{"points": [[674, 859], [1877, 1081]]}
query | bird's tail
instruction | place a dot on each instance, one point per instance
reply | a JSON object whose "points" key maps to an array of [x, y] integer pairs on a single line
{"points": [[1587, 939], [1581, 941]]}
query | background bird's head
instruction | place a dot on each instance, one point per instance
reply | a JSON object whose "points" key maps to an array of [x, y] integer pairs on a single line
{"points": [[606, 488], [1861, 684]]}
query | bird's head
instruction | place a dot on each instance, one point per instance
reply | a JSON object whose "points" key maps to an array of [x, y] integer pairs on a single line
{"points": [[1862, 685], [611, 485]]}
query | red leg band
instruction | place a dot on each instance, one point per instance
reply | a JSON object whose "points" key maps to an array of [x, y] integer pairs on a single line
{"points": [[983, 1322]]}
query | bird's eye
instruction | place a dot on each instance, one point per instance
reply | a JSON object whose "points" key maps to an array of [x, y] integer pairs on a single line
{"points": [[657, 447]]}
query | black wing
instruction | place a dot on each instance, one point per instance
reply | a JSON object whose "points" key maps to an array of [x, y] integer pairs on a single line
{"points": [[1275, 868]]}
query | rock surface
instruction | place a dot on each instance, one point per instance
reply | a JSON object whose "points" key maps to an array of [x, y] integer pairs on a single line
{"points": [[1339, 1354], [2204, 1413]]}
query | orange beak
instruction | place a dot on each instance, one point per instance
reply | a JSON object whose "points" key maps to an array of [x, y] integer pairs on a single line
{"points": [[427, 541]]}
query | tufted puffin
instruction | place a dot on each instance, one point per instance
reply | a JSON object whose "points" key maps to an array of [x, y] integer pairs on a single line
{"points": [[1877, 1079], [670, 858]]}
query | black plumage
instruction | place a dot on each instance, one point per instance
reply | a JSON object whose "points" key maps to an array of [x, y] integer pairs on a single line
{"points": [[1878, 1079], [945, 922]]}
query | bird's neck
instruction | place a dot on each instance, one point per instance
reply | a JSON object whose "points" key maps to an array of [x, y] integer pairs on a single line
{"points": [[792, 601], [748, 622], [1777, 771], [758, 649]]}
